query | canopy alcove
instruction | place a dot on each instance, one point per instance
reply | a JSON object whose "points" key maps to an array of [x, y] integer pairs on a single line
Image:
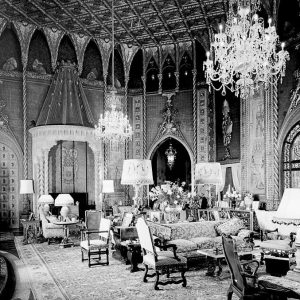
{"points": [[44, 138], [182, 168]]}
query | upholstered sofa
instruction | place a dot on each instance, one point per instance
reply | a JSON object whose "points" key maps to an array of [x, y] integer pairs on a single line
{"points": [[50, 230], [191, 236]]}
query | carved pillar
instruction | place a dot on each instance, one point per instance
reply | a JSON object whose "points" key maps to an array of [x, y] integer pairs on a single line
{"points": [[159, 83], [126, 112], [177, 81], [98, 179], [194, 116], [46, 170]]}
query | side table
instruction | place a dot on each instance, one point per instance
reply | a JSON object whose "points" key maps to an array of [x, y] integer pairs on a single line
{"points": [[133, 254], [66, 242], [30, 231]]}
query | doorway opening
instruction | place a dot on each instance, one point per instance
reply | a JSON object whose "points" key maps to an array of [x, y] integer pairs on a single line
{"points": [[181, 169]]}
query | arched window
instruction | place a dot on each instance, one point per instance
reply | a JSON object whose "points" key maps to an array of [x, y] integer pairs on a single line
{"points": [[291, 158]]}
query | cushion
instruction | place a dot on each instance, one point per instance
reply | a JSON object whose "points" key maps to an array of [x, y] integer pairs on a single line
{"points": [[94, 244], [240, 244], [203, 242], [230, 227], [164, 261], [52, 219], [184, 245], [244, 233], [281, 245]]}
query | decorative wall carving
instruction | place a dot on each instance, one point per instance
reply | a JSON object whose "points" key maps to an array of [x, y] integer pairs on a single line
{"points": [[138, 126]]}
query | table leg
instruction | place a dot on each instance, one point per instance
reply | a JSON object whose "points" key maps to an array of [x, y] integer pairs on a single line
{"points": [[134, 256], [211, 266]]}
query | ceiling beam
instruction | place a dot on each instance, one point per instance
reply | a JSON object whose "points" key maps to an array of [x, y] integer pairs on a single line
{"points": [[48, 16], [20, 11], [73, 17], [208, 26], [179, 8], [129, 2], [163, 21], [121, 22]]}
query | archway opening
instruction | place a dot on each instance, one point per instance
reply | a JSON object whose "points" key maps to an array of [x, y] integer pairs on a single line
{"points": [[181, 169]]}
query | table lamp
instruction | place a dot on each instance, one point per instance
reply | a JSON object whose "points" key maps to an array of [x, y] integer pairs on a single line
{"points": [[107, 188], [46, 200], [26, 187], [208, 173], [64, 200], [137, 172], [288, 213]]}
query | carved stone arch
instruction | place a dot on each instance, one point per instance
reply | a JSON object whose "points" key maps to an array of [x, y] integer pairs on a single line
{"points": [[9, 140], [204, 44], [156, 144]]}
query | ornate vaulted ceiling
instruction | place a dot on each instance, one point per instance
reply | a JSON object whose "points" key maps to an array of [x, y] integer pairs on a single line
{"points": [[143, 23]]}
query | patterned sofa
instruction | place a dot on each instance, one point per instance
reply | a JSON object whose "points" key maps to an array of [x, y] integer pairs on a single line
{"points": [[191, 236]]}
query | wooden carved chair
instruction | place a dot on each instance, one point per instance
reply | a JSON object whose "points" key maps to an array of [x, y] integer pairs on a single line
{"points": [[163, 262], [96, 242], [240, 283]]}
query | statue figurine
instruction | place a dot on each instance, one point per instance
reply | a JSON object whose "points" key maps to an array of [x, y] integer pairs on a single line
{"points": [[38, 67], [10, 64]]}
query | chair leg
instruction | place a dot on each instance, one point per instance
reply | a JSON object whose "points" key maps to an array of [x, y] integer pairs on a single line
{"points": [[262, 256], [183, 278], [89, 255], [156, 281], [145, 274], [107, 256], [229, 293], [82, 257]]}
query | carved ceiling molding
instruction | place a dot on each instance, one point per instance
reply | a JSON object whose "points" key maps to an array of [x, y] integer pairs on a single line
{"points": [[105, 50], [185, 47], [128, 54], [149, 53], [24, 32], [295, 96], [54, 37], [80, 43], [3, 23], [168, 50]]}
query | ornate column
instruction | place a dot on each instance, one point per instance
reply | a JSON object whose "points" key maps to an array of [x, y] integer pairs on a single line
{"points": [[159, 83], [195, 116], [177, 81]]}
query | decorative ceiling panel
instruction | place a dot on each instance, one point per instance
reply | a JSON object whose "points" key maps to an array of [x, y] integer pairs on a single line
{"points": [[142, 23]]}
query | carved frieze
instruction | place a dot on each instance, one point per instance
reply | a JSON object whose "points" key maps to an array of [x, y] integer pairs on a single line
{"points": [[149, 53], [184, 47], [167, 50], [128, 54], [105, 49]]}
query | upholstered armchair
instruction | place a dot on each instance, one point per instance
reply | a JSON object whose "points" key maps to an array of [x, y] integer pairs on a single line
{"points": [[162, 262], [50, 230]]}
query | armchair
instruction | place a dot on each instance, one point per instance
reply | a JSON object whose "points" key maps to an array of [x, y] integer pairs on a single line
{"points": [[240, 285], [163, 262], [96, 242]]}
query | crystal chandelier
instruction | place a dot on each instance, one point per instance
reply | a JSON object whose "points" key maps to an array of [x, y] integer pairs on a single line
{"points": [[171, 156], [245, 53], [114, 127]]}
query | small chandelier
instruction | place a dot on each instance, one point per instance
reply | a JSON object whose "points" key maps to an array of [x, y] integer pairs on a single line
{"points": [[245, 53], [114, 127], [171, 156]]}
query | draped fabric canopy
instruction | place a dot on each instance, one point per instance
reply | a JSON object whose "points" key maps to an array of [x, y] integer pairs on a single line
{"points": [[236, 176], [66, 102]]}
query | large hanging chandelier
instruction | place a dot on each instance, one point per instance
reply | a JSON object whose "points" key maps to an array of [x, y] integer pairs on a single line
{"points": [[171, 156], [245, 52], [114, 127]]}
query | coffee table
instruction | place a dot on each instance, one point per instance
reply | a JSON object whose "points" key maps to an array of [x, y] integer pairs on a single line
{"points": [[66, 242], [215, 260]]}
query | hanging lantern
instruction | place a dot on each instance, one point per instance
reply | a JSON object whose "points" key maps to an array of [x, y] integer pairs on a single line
{"points": [[171, 156]]}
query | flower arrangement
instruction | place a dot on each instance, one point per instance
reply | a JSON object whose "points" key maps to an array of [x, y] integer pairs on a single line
{"points": [[169, 193]]}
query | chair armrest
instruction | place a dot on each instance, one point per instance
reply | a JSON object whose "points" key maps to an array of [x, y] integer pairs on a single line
{"points": [[264, 232], [166, 246], [245, 263]]}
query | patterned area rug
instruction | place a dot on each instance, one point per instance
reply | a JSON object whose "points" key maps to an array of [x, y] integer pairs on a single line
{"points": [[57, 273]]}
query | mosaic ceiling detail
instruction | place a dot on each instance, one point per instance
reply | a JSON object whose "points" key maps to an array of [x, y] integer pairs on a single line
{"points": [[142, 23]]}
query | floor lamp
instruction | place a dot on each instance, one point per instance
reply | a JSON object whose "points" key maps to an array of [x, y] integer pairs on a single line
{"points": [[107, 188], [26, 188], [288, 213], [208, 173], [137, 172]]}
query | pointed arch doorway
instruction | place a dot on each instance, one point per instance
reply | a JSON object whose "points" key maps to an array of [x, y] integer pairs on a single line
{"points": [[181, 170]]}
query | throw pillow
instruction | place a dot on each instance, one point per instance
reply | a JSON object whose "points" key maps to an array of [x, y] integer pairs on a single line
{"points": [[230, 227], [52, 219]]}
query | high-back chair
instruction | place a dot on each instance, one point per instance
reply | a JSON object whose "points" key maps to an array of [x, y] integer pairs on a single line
{"points": [[92, 221], [163, 262], [98, 244], [241, 286]]}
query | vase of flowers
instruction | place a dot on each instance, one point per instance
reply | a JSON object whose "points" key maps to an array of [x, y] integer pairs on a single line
{"points": [[169, 196]]}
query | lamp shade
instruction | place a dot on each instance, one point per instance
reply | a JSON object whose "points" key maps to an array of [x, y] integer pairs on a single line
{"points": [[137, 172], [288, 211], [108, 186], [46, 199], [64, 200], [26, 186], [208, 173]]}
